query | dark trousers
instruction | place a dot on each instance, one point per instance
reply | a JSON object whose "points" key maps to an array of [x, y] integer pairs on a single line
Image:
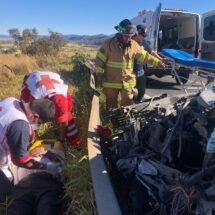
{"points": [[37, 194], [141, 86], [5, 187]]}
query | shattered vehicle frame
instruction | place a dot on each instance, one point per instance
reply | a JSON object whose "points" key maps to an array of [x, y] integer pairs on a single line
{"points": [[159, 157]]}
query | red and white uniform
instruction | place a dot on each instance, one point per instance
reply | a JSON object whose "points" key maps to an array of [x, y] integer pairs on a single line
{"points": [[45, 85], [8, 114], [49, 85]]}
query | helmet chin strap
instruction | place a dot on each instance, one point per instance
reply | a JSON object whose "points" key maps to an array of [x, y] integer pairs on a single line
{"points": [[121, 42]]}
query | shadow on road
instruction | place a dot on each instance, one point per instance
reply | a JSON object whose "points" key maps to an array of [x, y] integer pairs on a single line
{"points": [[152, 83]]}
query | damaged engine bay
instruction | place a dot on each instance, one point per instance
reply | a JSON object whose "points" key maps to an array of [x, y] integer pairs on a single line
{"points": [[161, 155]]}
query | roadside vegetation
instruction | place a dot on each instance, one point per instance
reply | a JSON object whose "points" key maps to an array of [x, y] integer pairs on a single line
{"points": [[64, 60]]}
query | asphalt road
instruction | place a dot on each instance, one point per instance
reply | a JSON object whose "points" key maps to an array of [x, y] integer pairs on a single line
{"points": [[167, 84]]}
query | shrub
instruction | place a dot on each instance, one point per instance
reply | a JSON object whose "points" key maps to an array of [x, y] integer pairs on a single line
{"points": [[30, 44], [11, 50], [79, 61]]}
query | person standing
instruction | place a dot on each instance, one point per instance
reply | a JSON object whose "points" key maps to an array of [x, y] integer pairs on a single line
{"points": [[115, 62], [139, 37]]}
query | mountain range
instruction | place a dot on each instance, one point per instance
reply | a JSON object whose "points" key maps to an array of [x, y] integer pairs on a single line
{"points": [[83, 39], [87, 39]]}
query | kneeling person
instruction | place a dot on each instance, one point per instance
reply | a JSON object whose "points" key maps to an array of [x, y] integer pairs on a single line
{"points": [[49, 85], [16, 132]]}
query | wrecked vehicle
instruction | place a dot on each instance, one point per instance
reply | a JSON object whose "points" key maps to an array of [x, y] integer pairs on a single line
{"points": [[160, 157]]}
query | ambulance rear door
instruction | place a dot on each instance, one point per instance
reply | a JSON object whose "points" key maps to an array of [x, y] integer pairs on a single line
{"points": [[153, 29], [207, 36], [150, 19]]}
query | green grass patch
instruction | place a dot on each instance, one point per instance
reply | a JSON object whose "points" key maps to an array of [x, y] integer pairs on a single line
{"points": [[79, 186], [5, 45]]}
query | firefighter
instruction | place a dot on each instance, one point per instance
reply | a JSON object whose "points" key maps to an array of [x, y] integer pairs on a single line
{"points": [[15, 136], [115, 61], [45, 84], [139, 37]]}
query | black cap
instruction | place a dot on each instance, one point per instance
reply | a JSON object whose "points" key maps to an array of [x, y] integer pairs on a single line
{"points": [[141, 29], [125, 27]]}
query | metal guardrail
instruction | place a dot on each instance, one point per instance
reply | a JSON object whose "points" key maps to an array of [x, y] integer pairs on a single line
{"points": [[106, 200]]}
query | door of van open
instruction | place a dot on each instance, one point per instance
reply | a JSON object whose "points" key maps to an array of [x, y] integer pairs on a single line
{"points": [[150, 19], [153, 29], [207, 36]]}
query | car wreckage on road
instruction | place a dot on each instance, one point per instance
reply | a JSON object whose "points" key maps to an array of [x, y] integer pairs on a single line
{"points": [[160, 159]]}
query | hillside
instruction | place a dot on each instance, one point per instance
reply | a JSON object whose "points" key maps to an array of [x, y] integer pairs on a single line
{"points": [[86, 39], [73, 38]]}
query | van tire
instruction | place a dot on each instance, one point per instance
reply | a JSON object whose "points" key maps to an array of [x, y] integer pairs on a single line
{"points": [[185, 74]]}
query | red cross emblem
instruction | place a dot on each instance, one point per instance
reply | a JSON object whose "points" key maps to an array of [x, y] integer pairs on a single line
{"points": [[47, 82]]}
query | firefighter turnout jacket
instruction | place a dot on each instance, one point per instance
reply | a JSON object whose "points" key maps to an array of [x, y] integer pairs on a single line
{"points": [[116, 64]]}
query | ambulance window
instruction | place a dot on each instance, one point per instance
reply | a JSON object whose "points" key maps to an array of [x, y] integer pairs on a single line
{"points": [[209, 28]]}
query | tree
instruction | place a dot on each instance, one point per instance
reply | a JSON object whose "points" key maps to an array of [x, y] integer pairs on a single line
{"points": [[34, 34], [56, 39], [42, 46], [15, 34], [29, 35], [30, 44]]}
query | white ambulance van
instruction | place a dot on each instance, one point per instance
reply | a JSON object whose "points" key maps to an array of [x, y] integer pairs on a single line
{"points": [[179, 29]]}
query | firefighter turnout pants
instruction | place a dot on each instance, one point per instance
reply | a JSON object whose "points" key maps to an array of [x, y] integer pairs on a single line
{"points": [[112, 97]]}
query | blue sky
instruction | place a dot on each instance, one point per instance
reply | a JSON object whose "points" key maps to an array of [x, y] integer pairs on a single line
{"points": [[82, 16]]}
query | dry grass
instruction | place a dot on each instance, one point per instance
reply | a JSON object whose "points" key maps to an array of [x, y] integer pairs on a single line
{"points": [[12, 71], [12, 87], [6, 45], [19, 64], [71, 49], [78, 187]]}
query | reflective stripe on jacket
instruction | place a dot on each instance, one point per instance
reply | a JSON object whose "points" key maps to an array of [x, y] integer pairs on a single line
{"points": [[117, 64]]}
